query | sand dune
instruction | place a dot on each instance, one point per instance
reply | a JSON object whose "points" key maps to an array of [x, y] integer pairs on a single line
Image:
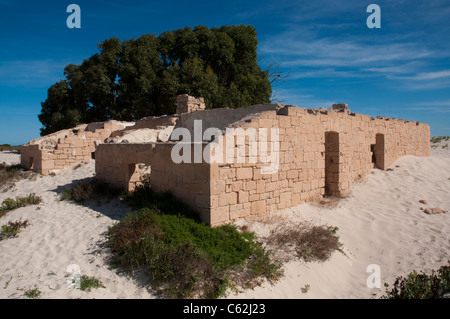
{"points": [[379, 223], [61, 234]]}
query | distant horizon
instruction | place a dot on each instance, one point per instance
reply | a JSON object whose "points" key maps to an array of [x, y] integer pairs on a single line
{"points": [[400, 70]]}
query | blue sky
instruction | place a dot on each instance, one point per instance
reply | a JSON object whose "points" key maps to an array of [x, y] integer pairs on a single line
{"points": [[400, 70]]}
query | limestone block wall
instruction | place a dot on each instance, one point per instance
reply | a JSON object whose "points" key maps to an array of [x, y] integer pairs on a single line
{"points": [[320, 153], [66, 148], [31, 157], [190, 182], [222, 118], [118, 165]]}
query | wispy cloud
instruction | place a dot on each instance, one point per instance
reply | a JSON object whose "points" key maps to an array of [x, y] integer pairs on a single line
{"points": [[290, 96], [400, 69], [439, 106], [308, 47], [328, 39], [434, 109], [432, 75], [299, 98], [310, 54], [424, 80], [32, 73], [434, 103]]}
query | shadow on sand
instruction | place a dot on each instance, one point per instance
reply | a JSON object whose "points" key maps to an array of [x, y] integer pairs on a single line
{"points": [[107, 204]]}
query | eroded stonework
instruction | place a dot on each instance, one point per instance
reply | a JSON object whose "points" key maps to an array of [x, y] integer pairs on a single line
{"points": [[319, 152], [66, 147]]}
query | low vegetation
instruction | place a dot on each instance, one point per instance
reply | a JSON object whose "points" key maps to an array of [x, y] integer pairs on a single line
{"points": [[88, 283], [438, 139], [33, 293], [12, 229], [10, 174], [9, 148], [186, 258], [421, 285], [305, 242], [84, 190], [183, 256], [20, 201]]}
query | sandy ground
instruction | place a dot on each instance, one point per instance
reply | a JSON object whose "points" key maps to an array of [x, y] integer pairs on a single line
{"points": [[380, 223]]}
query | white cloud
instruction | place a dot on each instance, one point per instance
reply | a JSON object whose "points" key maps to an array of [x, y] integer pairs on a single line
{"points": [[308, 48], [307, 53], [424, 80], [289, 96], [438, 106], [432, 75], [329, 39], [442, 103], [431, 109], [32, 73]]}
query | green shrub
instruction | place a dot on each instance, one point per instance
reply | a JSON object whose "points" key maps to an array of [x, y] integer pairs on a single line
{"points": [[9, 148], [10, 204], [184, 256], [87, 283], [33, 293], [437, 139], [88, 189], [420, 285], [12, 229], [9, 174], [144, 197]]}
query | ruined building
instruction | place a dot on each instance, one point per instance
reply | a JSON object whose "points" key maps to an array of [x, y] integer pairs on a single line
{"points": [[65, 148], [246, 163]]}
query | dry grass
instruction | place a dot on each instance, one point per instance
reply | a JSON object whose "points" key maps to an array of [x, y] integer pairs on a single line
{"points": [[12, 229], [304, 241], [10, 174], [438, 139], [9, 204], [88, 189], [328, 202], [272, 219], [9, 148], [184, 257]]}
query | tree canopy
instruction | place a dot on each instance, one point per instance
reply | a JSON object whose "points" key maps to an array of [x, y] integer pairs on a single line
{"points": [[131, 79]]}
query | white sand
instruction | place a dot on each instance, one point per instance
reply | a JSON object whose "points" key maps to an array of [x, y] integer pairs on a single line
{"points": [[9, 158], [379, 223], [61, 234]]}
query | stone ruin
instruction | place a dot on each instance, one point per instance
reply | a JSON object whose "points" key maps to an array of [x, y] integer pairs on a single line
{"points": [[66, 148], [187, 104], [319, 152]]}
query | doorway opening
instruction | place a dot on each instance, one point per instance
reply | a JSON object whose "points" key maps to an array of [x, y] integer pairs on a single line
{"points": [[138, 174], [331, 164], [378, 150]]}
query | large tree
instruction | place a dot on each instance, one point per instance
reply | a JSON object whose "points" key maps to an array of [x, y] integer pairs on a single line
{"points": [[141, 77]]}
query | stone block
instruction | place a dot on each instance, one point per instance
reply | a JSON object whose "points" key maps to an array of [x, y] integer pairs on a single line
{"points": [[243, 196], [220, 215], [258, 207], [228, 199], [244, 173]]}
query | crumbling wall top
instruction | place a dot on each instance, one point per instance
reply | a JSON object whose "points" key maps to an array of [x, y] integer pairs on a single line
{"points": [[187, 103], [341, 107]]}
